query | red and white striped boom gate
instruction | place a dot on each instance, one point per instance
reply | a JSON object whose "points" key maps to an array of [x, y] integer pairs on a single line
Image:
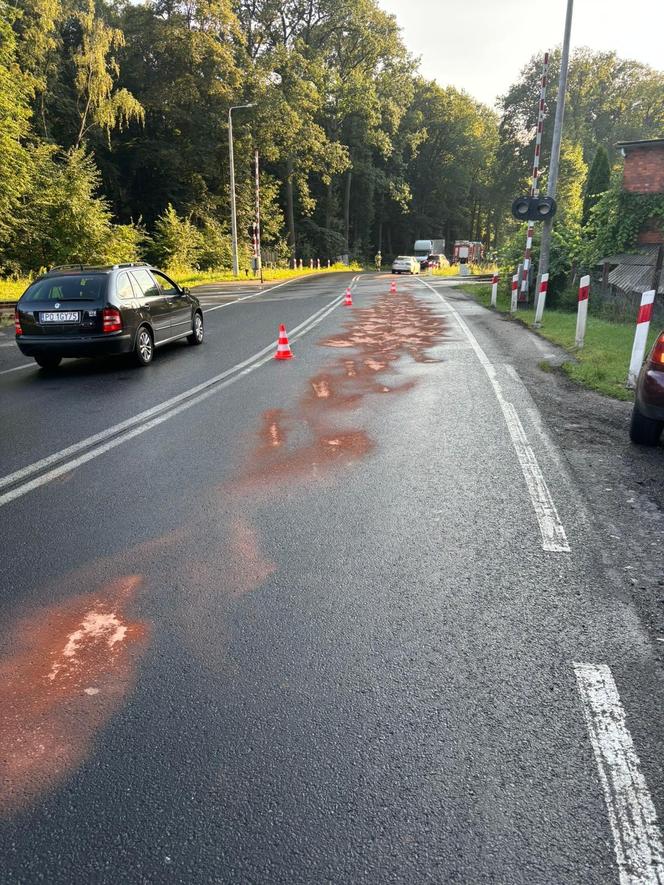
{"points": [[534, 189]]}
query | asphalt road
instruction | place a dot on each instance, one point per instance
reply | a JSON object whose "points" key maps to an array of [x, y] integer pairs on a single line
{"points": [[347, 618]]}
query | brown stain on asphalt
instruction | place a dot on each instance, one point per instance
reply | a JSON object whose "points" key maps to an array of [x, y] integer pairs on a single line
{"points": [[311, 440], [68, 668]]}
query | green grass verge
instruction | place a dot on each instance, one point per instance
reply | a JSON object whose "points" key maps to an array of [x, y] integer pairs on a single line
{"points": [[197, 278], [11, 290], [475, 270], [602, 363]]}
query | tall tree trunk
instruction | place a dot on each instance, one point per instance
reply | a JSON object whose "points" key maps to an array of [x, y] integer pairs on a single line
{"points": [[496, 230], [329, 211], [379, 221], [349, 178], [472, 220], [478, 223], [290, 209]]}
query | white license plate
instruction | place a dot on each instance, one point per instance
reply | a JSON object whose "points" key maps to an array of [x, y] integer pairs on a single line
{"points": [[60, 316]]}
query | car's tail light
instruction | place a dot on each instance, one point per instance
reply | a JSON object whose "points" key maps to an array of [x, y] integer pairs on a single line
{"points": [[17, 323], [657, 355], [111, 320]]}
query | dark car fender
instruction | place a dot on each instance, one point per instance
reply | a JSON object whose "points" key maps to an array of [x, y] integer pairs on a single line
{"points": [[650, 393]]}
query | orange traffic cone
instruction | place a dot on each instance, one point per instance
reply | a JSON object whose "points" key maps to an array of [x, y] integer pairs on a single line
{"points": [[283, 347], [349, 298], [393, 287]]}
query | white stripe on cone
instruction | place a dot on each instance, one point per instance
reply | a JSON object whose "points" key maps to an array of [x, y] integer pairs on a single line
{"points": [[582, 311], [640, 337]]}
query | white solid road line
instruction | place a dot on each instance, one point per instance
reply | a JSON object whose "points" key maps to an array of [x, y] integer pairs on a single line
{"points": [[260, 292], [553, 534], [126, 430], [205, 310], [16, 368], [636, 835]]}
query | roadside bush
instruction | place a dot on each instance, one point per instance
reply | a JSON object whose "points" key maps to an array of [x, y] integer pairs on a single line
{"points": [[177, 244]]}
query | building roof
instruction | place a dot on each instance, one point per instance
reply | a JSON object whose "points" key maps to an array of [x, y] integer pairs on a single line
{"points": [[646, 256], [634, 270], [635, 278], [628, 146]]}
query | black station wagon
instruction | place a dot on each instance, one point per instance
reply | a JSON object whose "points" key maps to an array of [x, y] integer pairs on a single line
{"points": [[79, 311]]}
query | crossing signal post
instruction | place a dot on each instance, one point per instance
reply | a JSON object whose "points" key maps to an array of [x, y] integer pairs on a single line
{"points": [[534, 208]]}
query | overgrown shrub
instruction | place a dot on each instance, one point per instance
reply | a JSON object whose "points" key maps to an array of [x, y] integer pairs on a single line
{"points": [[176, 244]]}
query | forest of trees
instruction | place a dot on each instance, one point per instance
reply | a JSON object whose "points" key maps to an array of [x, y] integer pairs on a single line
{"points": [[113, 134]]}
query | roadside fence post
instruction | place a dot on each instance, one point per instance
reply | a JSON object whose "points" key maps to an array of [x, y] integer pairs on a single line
{"points": [[582, 310], [301, 264], [640, 337], [318, 264], [515, 293], [541, 300], [495, 279]]}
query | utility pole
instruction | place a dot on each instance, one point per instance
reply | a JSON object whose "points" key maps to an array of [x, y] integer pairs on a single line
{"points": [[534, 189], [554, 165], [231, 157]]}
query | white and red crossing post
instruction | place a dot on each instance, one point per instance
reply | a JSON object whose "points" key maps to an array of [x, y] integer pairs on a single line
{"points": [[582, 311], [534, 189], [495, 279], [515, 293], [641, 336], [541, 300]]}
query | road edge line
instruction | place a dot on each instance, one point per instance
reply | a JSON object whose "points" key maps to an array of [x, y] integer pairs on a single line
{"points": [[637, 838], [135, 428], [552, 531]]}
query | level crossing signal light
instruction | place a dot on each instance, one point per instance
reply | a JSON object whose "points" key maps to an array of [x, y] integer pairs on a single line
{"points": [[534, 208]]}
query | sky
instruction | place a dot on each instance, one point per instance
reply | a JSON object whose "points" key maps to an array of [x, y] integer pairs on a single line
{"points": [[481, 45]]}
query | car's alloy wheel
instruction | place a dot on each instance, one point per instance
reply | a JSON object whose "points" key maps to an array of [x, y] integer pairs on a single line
{"points": [[198, 331], [144, 347]]}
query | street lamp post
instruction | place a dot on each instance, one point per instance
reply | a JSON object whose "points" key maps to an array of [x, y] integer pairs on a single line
{"points": [[236, 267]]}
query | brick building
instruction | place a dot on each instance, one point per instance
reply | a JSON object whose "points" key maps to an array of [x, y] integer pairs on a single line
{"points": [[626, 276], [644, 174], [644, 166]]}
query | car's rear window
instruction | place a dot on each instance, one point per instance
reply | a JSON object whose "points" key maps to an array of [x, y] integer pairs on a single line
{"points": [[73, 287], [402, 258]]}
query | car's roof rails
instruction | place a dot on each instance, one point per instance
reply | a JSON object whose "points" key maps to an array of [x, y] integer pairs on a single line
{"points": [[131, 264], [67, 267], [64, 267]]}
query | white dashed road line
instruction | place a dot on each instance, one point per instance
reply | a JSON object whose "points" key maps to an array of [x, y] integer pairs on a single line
{"points": [[552, 531], [637, 838]]}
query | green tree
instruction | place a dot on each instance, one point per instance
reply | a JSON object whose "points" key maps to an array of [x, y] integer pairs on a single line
{"points": [[177, 242], [15, 95], [62, 219], [598, 182], [99, 103]]}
